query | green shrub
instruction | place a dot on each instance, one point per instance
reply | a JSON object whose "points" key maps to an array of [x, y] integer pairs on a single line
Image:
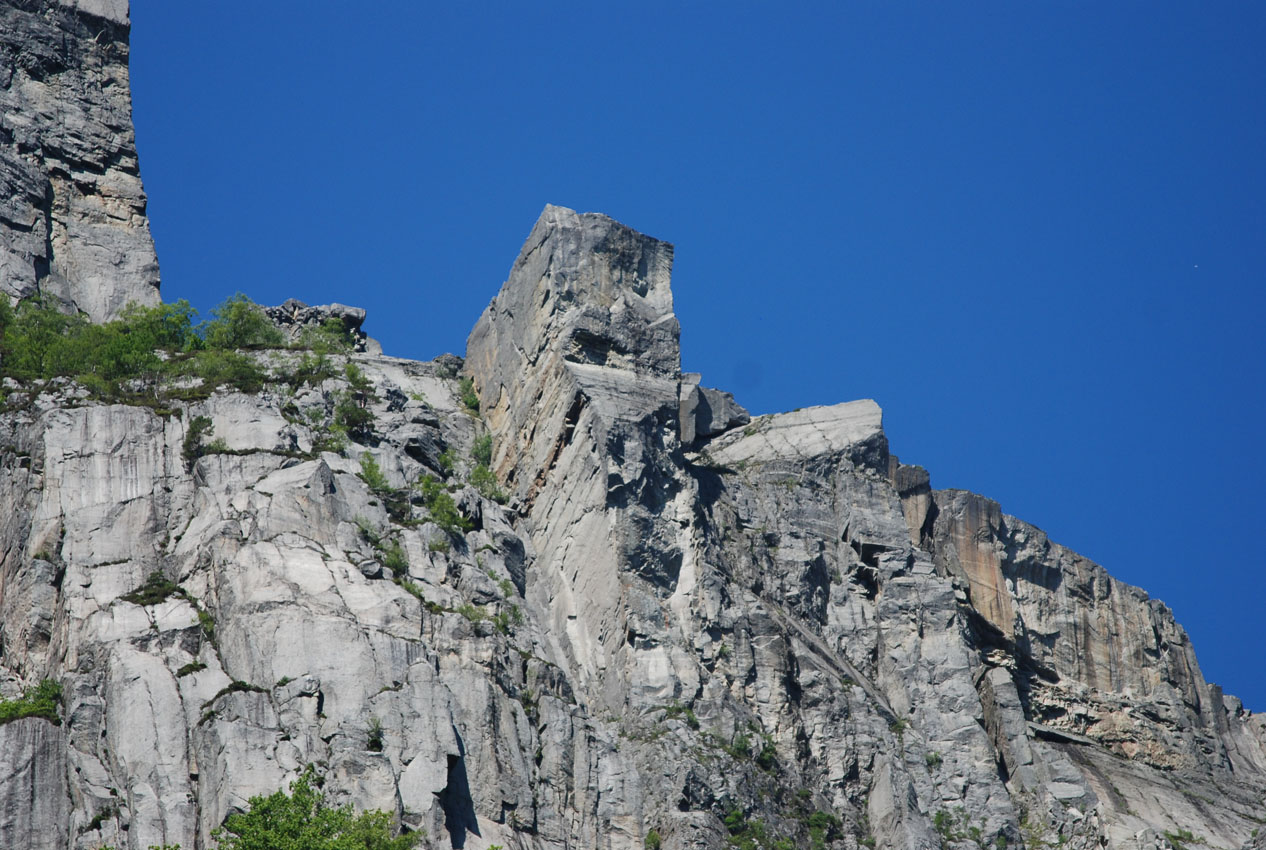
{"points": [[676, 709], [139, 351], [447, 461], [368, 531], [371, 473], [481, 451], [329, 337], [156, 588], [412, 588], [394, 557], [39, 701], [220, 368], [468, 395], [472, 612], [194, 447], [302, 820], [373, 741], [442, 508], [239, 323], [312, 368], [352, 417], [513, 616], [483, 480], [191, 667], [38, 342], [207, 622], [822, 825], [653, 841]]}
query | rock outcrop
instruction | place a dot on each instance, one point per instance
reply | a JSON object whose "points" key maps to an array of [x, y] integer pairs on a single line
{"points": [[691, 623], [72, 209], [554, 595]]}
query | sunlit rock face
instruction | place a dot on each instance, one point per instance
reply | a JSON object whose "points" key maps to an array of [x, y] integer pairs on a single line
{"points": [[649, 616], [72, 209]]}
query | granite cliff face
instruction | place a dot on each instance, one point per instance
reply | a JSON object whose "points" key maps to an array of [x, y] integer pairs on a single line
{"points": [[72, 210], [665, 618]]}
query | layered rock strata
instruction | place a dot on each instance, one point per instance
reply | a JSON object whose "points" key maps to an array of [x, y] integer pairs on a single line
{"points": [[72, 208], [673, 619]]}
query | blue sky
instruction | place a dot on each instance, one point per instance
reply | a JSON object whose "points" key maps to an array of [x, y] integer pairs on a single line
{"points": [[1035, 233]]}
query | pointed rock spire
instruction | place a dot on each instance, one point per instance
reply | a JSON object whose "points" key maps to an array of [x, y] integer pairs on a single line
{"points": [[585, 317]]}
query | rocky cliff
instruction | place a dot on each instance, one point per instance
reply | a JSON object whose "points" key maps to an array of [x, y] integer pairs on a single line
{"points": [[559, 595], [72, 210]]}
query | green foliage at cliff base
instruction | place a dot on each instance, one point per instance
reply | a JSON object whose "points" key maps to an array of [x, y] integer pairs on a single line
{"points": [[302, 820]]}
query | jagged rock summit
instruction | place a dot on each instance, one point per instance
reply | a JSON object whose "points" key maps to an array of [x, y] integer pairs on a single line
{"points": [[556, 595]]}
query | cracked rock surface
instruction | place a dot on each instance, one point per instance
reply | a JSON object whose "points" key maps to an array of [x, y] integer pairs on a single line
{"points": [[72, 209], [773, 631], [601, 605]]}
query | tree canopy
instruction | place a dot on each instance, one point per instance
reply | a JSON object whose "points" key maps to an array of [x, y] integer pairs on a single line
{"points": [[302, 820]]}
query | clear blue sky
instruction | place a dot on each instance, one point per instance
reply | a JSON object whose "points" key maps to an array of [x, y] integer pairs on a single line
{"points": [[1035, 233]]}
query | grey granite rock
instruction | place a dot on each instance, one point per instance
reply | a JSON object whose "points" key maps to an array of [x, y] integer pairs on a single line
{"points": [[72, 209], [666, 617], [706, 412], [294, 317]]}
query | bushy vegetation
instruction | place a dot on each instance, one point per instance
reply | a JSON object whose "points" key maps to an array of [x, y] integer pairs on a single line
{"points": [[141, 352], [468, 395], [753, 834], [161, 354], [157, 587], [195, 444], [481, 451], [39, 701], [371, 473], [239, 323], [483, 480], [957, 826], [303, 820], [442, 508]]}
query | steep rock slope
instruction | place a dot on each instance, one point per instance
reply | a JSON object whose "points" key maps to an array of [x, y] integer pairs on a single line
{"points": [[72, 209], [602, 605], [673, 618]]}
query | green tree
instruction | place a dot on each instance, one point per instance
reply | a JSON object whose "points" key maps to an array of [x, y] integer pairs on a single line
{"points": [[239, 323], [302, 820]]}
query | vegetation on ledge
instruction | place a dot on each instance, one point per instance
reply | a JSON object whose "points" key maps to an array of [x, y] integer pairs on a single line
{"points": [[153, 354], [304, 821], [39, 701]]}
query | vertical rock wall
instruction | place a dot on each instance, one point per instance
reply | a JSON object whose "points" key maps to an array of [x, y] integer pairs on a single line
{"points": [[72, 209]]}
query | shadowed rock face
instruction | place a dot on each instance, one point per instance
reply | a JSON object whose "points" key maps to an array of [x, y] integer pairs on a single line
{"points": [[72, 209]]}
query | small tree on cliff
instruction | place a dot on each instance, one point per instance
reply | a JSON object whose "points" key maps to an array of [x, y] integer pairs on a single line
{"points": [[302, 820]]}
